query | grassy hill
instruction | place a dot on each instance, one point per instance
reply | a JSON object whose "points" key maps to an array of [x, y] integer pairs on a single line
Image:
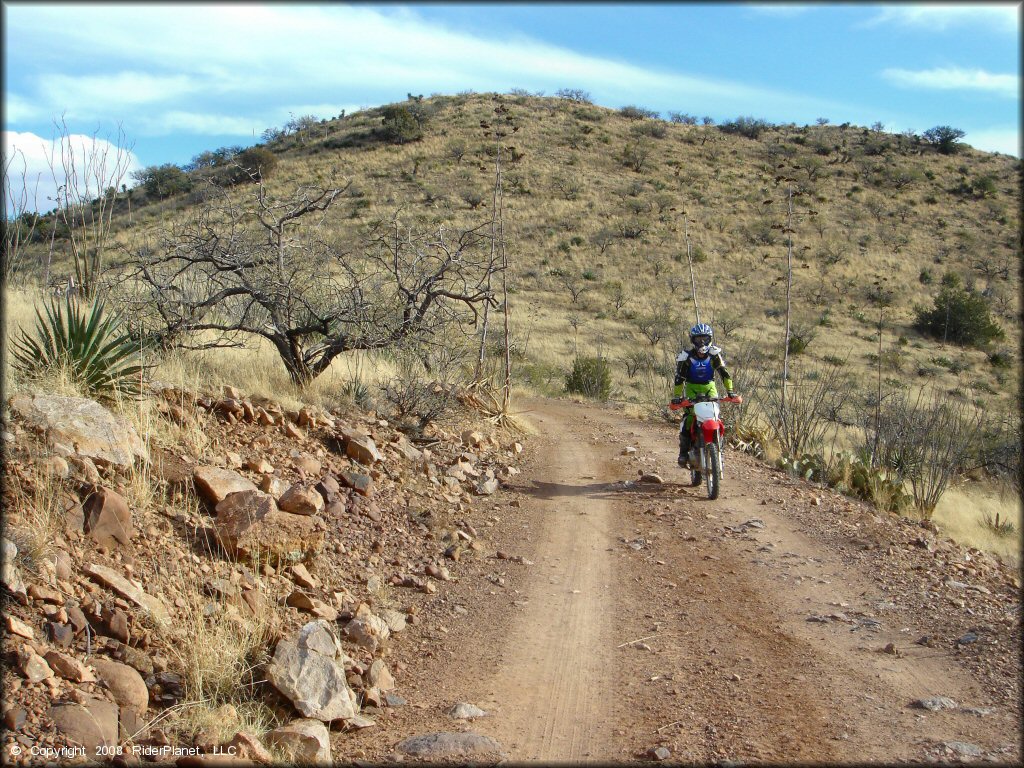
{"points": [[601, 207]]}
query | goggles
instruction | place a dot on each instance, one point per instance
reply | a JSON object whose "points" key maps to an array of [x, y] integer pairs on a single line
{"points": [[702, 341]]}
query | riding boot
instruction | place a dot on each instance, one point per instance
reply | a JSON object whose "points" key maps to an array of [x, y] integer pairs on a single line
{"points": [[684, 448]]}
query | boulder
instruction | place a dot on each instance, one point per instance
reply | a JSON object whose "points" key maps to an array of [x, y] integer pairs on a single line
{"points": [[108, 519], [309, 669], [250, 525], [303, 741], [33, 666], [360, 447], [215, 484], [300, 499], [379, 676], [463, 710], [124, 682], [449, 745], [245, 746], [78, 425], [91, 724]]}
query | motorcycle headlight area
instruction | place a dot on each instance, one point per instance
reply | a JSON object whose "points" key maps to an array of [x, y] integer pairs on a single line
{"points": [[705, 411]]}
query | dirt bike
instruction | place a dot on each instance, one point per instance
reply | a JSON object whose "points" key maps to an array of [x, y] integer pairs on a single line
{"points": [[707, 436]]}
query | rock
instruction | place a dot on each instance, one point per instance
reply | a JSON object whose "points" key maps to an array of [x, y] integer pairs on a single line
{"points": [[308, 464], [245, 746], [292, 431], [69, 667], [465, 711], [379, 676], [406, 450], [91, 724], [17, 627], [472, 438], [629, 451], [215, 484], [360, 447], [447, 745], [394, 619], [304, 602], [108, 519], [45, 594], [935, 703], [15, 717], [357, 481], [659, 753], [487, 487], [302, 577], [78, 425], [126, 589], [84, 469], [967, 638], [233, 460], [117, 625], [274, 486], [368, 631], [304, 741], [329, 488], [125, 683], [301, 500], [249, 525], [651, 477], [32, 666], [259, 465], [11, 576], [308, 668], [963, 748], [59, 634]]}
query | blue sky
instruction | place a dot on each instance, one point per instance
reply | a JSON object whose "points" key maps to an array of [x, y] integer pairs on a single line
{"points": [[179, 78]]}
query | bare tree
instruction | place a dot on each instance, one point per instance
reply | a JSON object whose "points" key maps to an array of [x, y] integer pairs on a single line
{"points": [[574, 284], [87, 178], [21, 213], [264, 269]]}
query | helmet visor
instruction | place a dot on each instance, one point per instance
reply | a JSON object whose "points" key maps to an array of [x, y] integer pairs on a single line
{"points": [[702, 341]]}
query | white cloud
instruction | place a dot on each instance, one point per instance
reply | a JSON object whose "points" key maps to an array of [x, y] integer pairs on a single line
{"points": [[225, 59], [39, 164], [1002, 17], [1005, 140], [955, 79]]}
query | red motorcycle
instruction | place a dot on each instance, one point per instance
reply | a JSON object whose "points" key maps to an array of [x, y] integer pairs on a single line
{"points": [[707, 439]]}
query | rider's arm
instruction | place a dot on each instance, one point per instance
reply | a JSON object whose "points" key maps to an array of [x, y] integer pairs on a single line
{"points": [[677, 391], [719, 364]]}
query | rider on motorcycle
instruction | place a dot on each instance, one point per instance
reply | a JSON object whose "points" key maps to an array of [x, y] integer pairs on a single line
{"points": [[695, 370]]}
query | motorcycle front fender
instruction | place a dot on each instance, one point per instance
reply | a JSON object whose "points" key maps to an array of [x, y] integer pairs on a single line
{"points": [[710, 430]]}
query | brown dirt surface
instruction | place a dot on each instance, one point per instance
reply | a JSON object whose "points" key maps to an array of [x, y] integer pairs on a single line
{"points": [[778, 623]]}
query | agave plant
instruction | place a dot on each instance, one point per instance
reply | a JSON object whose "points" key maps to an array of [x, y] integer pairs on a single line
{"points": [[89, 344]]}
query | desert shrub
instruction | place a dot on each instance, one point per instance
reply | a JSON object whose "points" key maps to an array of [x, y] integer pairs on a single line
{"points": [[577, 95], [638, 360], [959, 315], [750, 127], [944, 138], [591, 377], [416, 402], [400, 125], [92, 347], [161, 181], [632, 112], [653, 128]]}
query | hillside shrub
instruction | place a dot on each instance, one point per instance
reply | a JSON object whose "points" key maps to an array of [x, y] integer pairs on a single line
{"points": [[400, 125], [959, 315], [632, 112], [944, 138], [590, 377], [750, 127], [162, 181]]}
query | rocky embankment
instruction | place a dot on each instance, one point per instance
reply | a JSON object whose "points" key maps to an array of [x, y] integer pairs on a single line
{"points": [[283, 550]]}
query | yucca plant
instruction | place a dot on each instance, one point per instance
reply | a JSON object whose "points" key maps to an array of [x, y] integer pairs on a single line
{"points": [[87, 343]]}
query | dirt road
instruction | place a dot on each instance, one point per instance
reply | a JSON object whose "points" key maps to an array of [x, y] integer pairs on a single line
{"points": [[759, 627]]}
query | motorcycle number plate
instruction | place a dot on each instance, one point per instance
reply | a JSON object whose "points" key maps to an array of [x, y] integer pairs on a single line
{"points": [[705, 411]]}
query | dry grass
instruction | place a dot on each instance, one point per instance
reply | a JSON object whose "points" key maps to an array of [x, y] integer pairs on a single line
{"points": [[219, 656], [37, 514], [962, 512]]}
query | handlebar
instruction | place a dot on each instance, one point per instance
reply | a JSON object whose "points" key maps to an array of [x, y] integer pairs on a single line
{"points": [[687, 403]]}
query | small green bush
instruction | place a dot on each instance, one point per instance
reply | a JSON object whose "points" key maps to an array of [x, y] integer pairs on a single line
{"points": [[960, 316], [88, 344], [591, 377]]}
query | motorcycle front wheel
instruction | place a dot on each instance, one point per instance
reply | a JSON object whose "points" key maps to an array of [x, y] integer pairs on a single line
{"points": [[713, 463]]}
